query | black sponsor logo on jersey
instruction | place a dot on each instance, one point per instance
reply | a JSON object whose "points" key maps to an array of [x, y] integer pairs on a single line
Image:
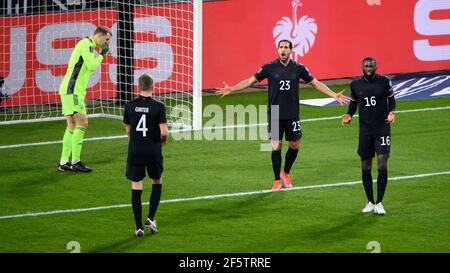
{"points": [[91, 49]]}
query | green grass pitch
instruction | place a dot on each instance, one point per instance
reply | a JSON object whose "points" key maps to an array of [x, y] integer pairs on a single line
{"points": [[322, 219]]}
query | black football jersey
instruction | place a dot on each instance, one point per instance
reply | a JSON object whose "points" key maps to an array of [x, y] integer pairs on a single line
{"points": [[144, 114], [284, 85], [372, 99]]}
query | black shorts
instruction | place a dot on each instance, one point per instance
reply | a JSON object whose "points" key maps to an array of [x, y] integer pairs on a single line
{"points": [[291, 127], [136, 171], [369, 144]]}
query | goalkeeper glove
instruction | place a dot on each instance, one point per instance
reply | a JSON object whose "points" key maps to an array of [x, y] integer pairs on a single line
{"points": [[105, 49]]}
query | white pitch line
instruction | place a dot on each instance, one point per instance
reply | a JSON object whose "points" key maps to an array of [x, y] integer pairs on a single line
{"points": [[57, 142], [209, 128], [206, 197]]}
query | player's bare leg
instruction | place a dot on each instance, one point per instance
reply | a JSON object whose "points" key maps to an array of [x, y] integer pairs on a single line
{"points": [[381, 182], [291, 155], [136, 193], [155, 197], [81, 124], [366, 166], [64, 164], [276, 164], [70, 122]]}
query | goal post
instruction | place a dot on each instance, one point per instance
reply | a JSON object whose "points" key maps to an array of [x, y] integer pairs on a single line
{"points": [[197, 109], [161, 38]]}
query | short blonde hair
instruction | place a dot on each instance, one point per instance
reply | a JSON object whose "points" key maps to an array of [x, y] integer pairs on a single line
{"points": [[102, 30]]}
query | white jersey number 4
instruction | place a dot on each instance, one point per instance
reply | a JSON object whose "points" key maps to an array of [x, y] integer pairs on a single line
{"points": [[141, 126]]}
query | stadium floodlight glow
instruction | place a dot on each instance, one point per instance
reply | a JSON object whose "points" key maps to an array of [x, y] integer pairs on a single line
{"points": [[161, 38]]}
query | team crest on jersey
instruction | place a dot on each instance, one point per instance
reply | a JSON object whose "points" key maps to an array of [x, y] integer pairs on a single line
{"points": [[91, 49]]}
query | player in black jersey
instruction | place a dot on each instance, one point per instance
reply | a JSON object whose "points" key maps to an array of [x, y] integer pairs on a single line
{"points": [[146, 127], [374, 97], [283, 77]]}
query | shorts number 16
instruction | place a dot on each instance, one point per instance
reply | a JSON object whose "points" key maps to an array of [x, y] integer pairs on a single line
{"points": [[385, 141]]}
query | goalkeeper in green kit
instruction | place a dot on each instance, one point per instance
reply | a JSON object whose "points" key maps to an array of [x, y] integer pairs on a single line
{"points": [[73, 91]]}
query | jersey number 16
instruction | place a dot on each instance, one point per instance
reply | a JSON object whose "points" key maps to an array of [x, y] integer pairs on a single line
{"points": [[142, 126], [372, 101]]}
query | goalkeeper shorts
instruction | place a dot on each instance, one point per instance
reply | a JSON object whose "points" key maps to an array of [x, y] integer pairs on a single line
{"points": [[72, 104]]}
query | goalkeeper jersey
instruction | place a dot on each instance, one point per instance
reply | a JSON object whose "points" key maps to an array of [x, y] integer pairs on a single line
{"points": [[82, 64]]}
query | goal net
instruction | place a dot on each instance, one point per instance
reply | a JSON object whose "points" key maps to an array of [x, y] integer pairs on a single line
{"points": [[154, 37]]}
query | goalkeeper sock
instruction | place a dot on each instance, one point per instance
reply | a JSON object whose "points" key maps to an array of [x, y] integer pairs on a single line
{"points": [[276, 164], [137, 207], [367, 182], [291, 155], [67, 146], [154, 200], [77, 143]]}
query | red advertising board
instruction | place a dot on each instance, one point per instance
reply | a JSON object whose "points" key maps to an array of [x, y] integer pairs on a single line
{"points": [[333, 36], [330, 37]]}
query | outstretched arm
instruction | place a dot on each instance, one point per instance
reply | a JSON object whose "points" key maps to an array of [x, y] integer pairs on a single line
{"points": [[226, 90], [339, 97]]}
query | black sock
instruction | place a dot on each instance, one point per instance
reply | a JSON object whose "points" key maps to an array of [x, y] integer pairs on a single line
{"points": [[276, 164], [154, 200], [368, 183], [137, 207], [381, 182], [291, 155]]}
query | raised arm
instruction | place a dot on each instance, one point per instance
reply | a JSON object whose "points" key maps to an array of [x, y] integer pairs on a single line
{"points": [[226, 90], [339, 97], [89, 60]]}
